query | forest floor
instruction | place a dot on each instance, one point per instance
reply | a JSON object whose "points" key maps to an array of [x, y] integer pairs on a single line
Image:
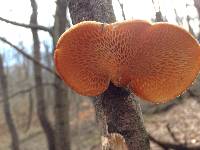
{"points": [[183, 120]]}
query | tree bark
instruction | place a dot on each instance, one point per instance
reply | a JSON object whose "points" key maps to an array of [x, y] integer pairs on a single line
{"points": [[26, 55], [41, 106], [197, 5], [96, 10], [62, 126], [6, 108], [118, 113]]}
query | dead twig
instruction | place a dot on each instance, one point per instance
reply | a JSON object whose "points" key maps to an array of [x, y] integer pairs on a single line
{"points": [[26, 90], [31, 136], [32, 26], [175, 146], [30, 112], [7, 109], [172, 134], [122, 8], [27, 56]]}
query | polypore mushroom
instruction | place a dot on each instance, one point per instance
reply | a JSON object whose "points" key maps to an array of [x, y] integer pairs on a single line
{"points": [[156, 62]]}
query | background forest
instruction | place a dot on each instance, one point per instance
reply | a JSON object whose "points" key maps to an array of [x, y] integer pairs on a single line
{"points": [[39, 112]]}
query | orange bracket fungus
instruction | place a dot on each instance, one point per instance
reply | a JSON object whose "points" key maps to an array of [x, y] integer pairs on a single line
{"points": [[156, 62]]}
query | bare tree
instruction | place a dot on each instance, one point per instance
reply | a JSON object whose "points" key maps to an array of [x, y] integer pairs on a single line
{"points": [[118, 113], [30, 26], [41, 106], [6, 107], [62, 128], [29, 57]]}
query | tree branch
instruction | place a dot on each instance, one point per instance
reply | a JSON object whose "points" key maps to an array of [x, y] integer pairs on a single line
{"points": [[172, 134], [7, 109], [23, 91], [32, 26], [168, 145], [28, 56], [30, 112], [122, 8]]}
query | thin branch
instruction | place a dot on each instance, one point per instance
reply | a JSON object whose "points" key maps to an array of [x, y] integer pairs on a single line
{"points": [[172, 134], [122, 8], [30, 112], [28, 56], [24, 91], [159, 17], [189, 26], [154, 6], [179, 19], [28, 90], [167, 145], [31, 136], [32, 26]]}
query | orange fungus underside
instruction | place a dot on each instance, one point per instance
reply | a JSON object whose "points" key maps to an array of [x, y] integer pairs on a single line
{"points": [[156, 62]]}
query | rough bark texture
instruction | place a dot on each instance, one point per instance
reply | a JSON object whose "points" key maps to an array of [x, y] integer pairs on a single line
{"points": [[62, 128], [197, 5], [118, 113], [41, 106], [61, 22], [98, 10], [6, 108]]}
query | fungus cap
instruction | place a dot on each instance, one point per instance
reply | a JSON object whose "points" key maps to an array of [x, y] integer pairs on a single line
{"points": [[156, 62]]}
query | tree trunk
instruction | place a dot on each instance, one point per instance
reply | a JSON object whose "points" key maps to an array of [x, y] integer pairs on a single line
{"points": [[118, 113], [6, 108], [120, 118], [41, 106], [197, 5], [96, 10], [62, 127]]}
